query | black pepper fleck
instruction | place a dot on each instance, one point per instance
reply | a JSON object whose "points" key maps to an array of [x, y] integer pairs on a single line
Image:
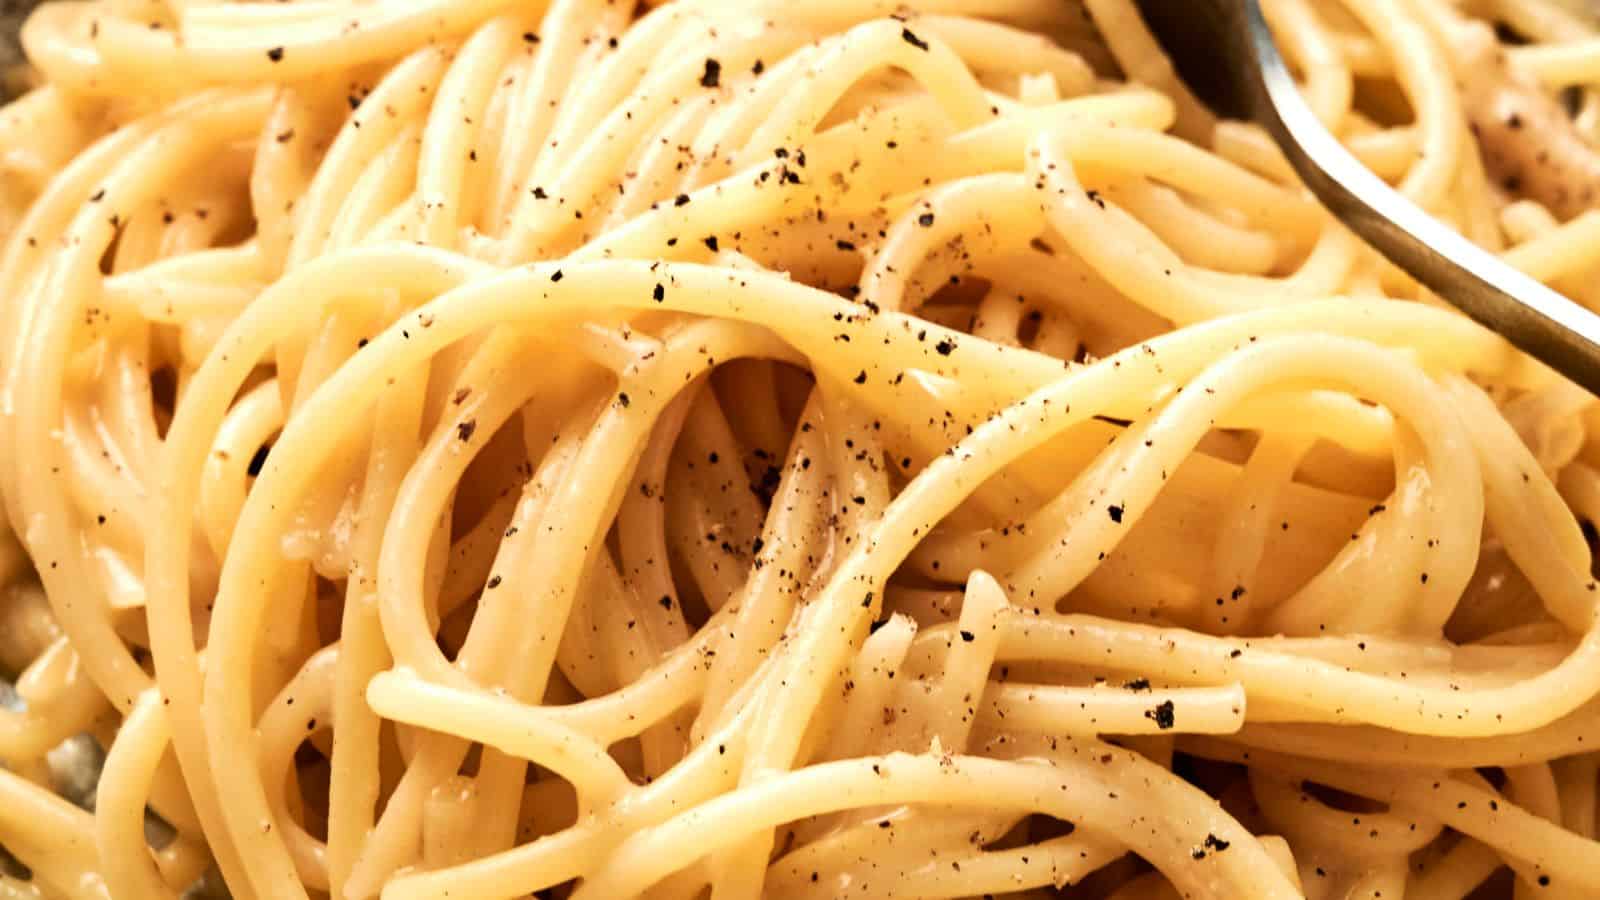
{"points": [[712, 75]]}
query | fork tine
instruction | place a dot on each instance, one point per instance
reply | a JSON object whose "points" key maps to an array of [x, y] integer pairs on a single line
{"points": [[1203, 40]]}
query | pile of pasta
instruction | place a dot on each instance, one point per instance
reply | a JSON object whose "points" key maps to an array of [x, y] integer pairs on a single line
{"points": [[840, 448]]}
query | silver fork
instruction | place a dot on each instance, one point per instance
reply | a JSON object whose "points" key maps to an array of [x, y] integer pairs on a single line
{"points": [[1225, 53]]}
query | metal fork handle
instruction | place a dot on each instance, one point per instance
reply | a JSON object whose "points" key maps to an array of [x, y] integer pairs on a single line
{"points": [[1534, 318]]}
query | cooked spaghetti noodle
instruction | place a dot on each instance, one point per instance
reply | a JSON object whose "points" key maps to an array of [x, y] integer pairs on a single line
{"points": [[839, 448]]}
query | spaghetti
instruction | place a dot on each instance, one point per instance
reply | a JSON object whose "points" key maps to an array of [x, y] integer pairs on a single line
{"points": [[463, 448]]}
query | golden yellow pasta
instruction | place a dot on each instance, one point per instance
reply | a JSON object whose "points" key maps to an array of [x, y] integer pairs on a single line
{"points": [[784, 448]]}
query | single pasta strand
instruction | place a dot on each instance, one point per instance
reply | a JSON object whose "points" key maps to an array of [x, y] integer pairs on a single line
{"points": [[119, 808], [957, 778]]}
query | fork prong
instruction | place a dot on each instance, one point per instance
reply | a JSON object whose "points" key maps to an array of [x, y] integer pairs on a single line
{"points": [[1203, 40]]}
